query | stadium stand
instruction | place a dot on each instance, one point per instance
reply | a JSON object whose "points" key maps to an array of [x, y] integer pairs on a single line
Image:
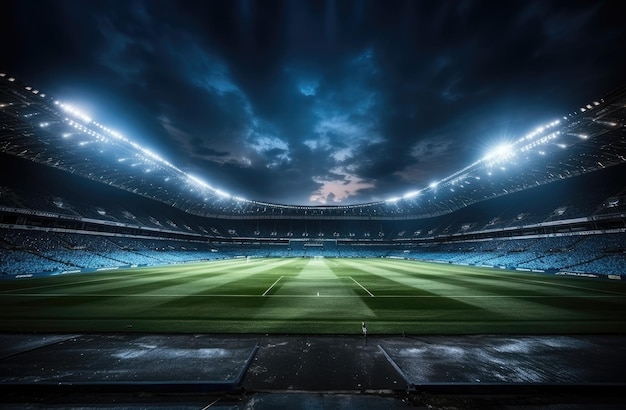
{"points": [[38, 238], [70, 215]]}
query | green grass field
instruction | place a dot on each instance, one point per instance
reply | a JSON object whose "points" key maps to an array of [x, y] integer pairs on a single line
{"points": [[316, 296]]}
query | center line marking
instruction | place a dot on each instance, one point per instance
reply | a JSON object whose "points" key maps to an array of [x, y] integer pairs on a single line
{"points": [[273, 284], [362, 287]]}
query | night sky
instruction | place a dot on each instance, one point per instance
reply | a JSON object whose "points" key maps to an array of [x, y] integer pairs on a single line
{"points": [[318, 102]]}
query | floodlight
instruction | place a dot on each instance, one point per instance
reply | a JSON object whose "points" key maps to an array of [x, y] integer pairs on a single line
{"points": [[608, 123], [433, 184], [198, 181], [500, 152], [222, 193], [75, 112]]}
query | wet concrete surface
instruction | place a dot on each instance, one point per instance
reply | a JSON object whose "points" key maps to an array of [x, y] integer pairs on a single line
{"points": [[127, 358], [510, 359], [339, 363], [314, 372], [15, 344]]}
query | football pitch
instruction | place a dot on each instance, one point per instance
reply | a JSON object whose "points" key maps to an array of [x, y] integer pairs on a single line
{"points": [[314, 296]]}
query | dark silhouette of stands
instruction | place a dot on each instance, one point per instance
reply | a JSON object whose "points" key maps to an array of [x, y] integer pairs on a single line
{"points": [[53, 221]]}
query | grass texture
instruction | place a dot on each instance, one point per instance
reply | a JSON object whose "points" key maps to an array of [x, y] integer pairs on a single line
{"points": [[314, 296]]}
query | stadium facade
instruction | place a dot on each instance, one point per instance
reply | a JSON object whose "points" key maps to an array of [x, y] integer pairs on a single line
{"points": [[553, 200]]}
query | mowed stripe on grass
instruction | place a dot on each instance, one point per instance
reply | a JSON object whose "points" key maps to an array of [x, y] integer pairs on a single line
{"points": [[302, 295]]}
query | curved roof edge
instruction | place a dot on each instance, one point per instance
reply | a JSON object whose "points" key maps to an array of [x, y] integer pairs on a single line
{"points": [[41, 129]]}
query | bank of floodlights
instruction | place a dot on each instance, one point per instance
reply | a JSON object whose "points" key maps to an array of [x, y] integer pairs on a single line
{"points": [[102, 133], [500, 157]]}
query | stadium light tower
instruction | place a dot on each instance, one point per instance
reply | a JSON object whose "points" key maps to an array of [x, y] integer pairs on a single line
{"points": [[500, 153], [75, 112], [411, 194]]}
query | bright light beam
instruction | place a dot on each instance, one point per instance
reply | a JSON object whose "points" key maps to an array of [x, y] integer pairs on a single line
{"points": [[499, 153]]}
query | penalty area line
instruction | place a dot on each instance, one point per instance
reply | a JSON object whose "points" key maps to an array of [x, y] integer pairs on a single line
{"points": [[273, 284], [362, 287]]}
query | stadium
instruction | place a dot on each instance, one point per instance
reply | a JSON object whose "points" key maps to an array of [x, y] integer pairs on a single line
{"points": [[515, 263]]}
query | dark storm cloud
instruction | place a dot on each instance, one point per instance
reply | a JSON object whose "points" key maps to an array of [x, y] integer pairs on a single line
{"points": [[318, 101]]}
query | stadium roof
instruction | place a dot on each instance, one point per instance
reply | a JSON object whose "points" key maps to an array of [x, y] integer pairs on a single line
{"points": [[39, 128]]}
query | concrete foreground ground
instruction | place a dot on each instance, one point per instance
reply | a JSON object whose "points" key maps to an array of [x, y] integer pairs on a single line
{"points": [[311, 372]]}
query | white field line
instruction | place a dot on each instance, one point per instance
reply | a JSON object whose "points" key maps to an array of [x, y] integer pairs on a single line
{"points": [[362, 287], [120, 277], [556, 284], [212, 295], [55, 285], [273, 284], [136, 275], [507, 275]]}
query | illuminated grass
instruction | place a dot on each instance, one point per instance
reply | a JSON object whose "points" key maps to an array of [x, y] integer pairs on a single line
{"points": [[321, 296]]}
